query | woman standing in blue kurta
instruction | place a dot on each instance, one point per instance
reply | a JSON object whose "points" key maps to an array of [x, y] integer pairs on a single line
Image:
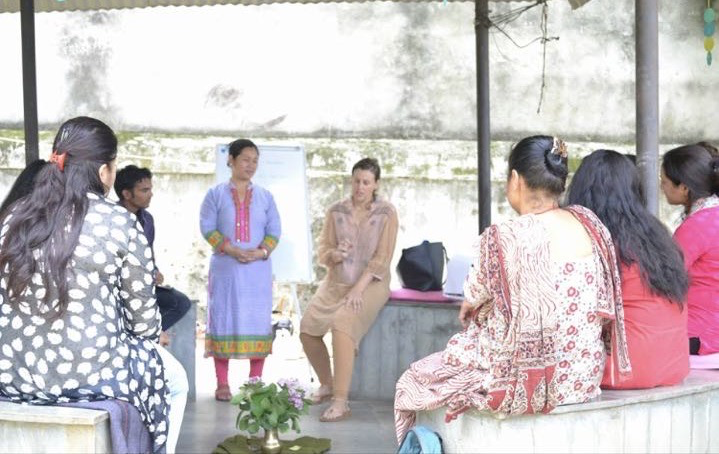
{"points": [[240, 220]]}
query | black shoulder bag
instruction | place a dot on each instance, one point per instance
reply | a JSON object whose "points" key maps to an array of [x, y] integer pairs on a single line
{"points": [[421, 267]]}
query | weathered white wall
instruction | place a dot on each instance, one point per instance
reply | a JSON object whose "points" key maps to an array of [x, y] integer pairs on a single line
{"points": [[432, 183], [335, 76], [365, 70]]}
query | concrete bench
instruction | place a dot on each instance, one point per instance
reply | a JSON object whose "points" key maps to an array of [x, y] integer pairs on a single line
{"points": [[683, 418], [404, 332], [40, 429]]}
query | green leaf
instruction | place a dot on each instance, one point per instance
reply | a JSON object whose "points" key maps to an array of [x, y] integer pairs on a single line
{"points": [[272, 419], [255, 399], [253, 428], [283, 427], [243, 423]]}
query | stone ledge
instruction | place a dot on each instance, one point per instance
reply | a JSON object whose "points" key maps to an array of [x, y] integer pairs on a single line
{"points": [[683, 418], [404, 332], [42, 414], [698, 381], [53, 429]]}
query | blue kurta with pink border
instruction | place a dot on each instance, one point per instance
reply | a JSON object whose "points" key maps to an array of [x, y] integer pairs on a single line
{"points": [[239, 294]]}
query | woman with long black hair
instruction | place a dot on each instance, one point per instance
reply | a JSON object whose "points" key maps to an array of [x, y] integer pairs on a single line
{"points": [[690, 178], [654, 282], [23, 184], [78, 317]]}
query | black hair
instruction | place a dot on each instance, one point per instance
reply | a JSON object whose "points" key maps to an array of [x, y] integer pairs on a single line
{"points": [[370, 164], [128, 177], [23, 185], [236, 147], [542, 162], [632, 157], [695, 167], [49, 219], [608, 183], [710, 147]]}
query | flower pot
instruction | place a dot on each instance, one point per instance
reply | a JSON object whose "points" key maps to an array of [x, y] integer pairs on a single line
{"points": [[271, 443]]}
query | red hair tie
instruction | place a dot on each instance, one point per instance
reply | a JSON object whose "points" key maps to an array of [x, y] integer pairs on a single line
{"points": [[58, 159]]}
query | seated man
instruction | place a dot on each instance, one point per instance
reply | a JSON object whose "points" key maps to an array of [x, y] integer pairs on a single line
{"points": [[133, 186]]}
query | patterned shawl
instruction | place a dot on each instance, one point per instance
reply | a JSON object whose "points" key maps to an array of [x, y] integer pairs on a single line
{"points": [[514, 266]]}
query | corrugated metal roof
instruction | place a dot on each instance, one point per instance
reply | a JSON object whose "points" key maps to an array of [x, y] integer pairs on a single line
{"points": [[13, 6]]}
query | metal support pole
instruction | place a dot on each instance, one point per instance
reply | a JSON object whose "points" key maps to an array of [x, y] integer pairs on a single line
{"points": [[29, 79], [484, 186], [647, 102]]}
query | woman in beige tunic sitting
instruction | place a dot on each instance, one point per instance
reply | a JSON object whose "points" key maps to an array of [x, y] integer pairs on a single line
{"points": [[356, 246]]}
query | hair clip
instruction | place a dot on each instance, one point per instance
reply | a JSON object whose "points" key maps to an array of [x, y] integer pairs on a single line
{"points": [[559, 147], [58, 159]]}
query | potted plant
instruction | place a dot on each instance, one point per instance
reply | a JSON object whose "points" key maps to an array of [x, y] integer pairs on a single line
{"points": [[272, 407]]}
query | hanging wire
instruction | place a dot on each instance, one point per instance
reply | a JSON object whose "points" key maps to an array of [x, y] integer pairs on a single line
{"points": [[501, 20], [543, 27]]}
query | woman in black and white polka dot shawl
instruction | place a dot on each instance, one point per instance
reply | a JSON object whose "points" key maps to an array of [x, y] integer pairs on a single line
{"points": [[93, 337]]}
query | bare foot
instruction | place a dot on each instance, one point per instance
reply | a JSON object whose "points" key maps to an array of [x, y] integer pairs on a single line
{"points": [[323, 393]]}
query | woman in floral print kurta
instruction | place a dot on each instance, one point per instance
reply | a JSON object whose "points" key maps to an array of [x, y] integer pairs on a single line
{"points": [[540, 292]]}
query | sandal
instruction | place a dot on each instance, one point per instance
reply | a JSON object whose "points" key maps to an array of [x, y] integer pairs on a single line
{"points": [[319, 397], [328, 417], [222, 393]]}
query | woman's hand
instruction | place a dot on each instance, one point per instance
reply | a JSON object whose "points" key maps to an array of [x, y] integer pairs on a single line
{"points": [[342, 251], [354, 300], [465, 314], [244, 255], [250, 255]]}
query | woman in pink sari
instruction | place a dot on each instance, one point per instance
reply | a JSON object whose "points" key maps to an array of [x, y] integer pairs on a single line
{"points": [[543, 299]]}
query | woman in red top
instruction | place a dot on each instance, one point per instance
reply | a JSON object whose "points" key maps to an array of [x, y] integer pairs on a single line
{"points": [[690, 177], [654, 282]]}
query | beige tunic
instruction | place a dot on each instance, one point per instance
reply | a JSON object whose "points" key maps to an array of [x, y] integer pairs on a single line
{"points": [[372, 233]]}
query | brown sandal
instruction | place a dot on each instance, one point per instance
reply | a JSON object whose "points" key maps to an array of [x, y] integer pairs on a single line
{"points": [[346, 413], [222, 393]]}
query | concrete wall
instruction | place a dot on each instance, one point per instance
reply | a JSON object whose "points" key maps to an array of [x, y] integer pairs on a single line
{"points": [[380, 69], [433, 184]]}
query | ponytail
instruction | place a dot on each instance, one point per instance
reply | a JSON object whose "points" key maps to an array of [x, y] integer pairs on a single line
{"points": [[42, 230]]}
